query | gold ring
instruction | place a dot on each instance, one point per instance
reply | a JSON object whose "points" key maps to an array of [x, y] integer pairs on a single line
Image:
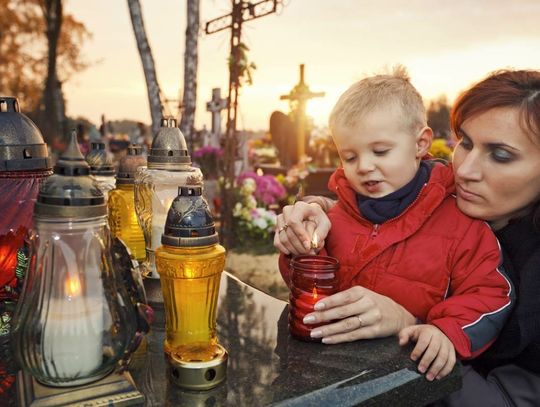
{"points": [[284, 227], [360, 320]]}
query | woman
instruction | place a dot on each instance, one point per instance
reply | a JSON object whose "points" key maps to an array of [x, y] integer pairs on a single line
{"points": [[497, 173]]}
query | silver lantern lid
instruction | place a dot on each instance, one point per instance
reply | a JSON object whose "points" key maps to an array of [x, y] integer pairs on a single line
{"points": [[21, 144], [70, 192], [129, 164], [169, 148], [100, 160], [189, 221]]}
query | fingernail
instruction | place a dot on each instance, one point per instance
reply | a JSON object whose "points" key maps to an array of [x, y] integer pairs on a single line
{"points": [[327, 340], [307, 244], [438, 378], [319, 306], [317, 333], [429, 376], [421, 369], [308, 319]]}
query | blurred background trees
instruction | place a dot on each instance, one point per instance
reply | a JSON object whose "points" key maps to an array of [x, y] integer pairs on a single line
{"points": [[438, 116], [40, 49]]}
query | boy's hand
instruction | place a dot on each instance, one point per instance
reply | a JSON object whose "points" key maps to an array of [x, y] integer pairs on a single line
{"points": [[437, 351]]}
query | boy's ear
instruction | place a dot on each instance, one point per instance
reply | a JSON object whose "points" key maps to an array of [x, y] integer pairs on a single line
{"points": [[423, 141]]}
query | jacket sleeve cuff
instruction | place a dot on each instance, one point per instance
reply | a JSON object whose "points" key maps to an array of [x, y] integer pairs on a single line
{"points": [[453, 331]]}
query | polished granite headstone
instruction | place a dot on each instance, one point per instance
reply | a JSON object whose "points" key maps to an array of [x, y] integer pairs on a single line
{"points": [[269, 367]]}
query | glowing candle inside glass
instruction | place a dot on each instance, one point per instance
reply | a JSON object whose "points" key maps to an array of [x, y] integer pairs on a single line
{"points": [[312, 279], [73, 329]]}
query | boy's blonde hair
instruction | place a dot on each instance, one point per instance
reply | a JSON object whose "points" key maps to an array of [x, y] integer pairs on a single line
{"points": [[376, 91]]}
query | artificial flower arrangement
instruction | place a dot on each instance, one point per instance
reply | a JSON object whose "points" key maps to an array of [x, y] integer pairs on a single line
{"points": [[295, 180], [254, 221], [262, 151], [442, 148], [209, 159]]}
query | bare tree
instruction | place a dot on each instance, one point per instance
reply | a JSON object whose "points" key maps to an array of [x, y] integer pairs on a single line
{"points": [[190, 69], [53, 107], [148, 64]]}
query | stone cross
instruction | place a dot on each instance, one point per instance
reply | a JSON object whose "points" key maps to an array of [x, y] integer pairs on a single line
{"points": [[299, 96], [215, 106]]}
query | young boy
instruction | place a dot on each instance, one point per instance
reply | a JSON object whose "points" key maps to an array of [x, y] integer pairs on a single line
{"points": [[397, 231]]}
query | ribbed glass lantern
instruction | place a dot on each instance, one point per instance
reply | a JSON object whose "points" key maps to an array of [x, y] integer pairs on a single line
{"points": [[169, 167], [75, 319], [122, 216]]}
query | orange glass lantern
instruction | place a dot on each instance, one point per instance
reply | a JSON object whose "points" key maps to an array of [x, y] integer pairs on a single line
{"points": [[190, 262]]}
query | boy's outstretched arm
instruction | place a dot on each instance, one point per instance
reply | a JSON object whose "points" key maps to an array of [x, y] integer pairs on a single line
{"points": [[433, 346], [480, 296]]}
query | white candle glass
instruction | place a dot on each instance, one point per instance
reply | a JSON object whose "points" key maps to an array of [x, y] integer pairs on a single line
{"points": [[73, 322], [155, 189]]}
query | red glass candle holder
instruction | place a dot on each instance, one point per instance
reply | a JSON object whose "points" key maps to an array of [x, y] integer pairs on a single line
{"points": [[312, 279]]}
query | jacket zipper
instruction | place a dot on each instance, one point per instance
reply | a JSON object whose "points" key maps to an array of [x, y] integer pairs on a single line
{"points": [[376, 227], [375, 231]]}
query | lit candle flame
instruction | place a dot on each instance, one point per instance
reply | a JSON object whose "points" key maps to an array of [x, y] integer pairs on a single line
{"points": [[315, 293], [314, 241], [73, 287]]}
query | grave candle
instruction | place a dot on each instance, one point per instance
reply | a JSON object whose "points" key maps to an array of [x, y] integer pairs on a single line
{"points": [[72, 337], [156, 185], [75, 320], [190, 262], [312, 279]]}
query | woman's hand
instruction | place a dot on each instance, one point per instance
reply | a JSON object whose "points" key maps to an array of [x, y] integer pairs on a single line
{"points": [[437, 351], [358, 313], [296, 225]]}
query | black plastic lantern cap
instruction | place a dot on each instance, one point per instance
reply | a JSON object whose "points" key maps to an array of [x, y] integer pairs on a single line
{"points": [[21, 144], [169, 148], [189, 221]]}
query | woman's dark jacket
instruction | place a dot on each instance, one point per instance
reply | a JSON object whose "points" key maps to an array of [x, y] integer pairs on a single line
{"points": [[519, 341]]}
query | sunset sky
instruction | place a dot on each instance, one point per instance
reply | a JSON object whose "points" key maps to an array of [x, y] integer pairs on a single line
{"points": [[446, 45]]}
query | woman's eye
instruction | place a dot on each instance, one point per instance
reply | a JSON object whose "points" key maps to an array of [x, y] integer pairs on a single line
{"points": [[465, 143], [501, 155]]}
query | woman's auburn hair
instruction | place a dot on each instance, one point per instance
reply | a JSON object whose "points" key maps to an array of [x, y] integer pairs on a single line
{"points": [[508, 88], [503, 89]]}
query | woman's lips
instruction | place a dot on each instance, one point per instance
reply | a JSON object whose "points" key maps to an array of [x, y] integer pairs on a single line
{"points": [[466, 194]]}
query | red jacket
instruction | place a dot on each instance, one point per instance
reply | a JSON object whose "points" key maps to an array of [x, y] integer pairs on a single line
{"points": [[438, 263]]}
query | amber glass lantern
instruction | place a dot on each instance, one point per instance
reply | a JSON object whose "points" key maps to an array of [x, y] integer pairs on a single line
{"points": [[312, 279], [169, 167], [190, 264], [102, 167], [122, 216], [75, 318]]}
